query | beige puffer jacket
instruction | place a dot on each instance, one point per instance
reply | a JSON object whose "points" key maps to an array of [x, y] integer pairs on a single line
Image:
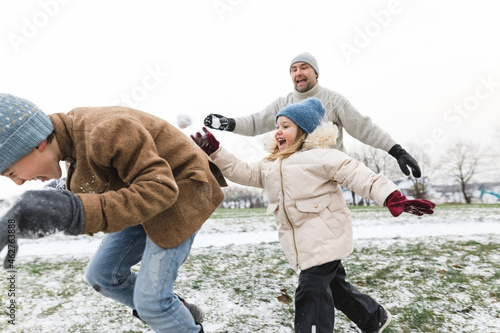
{"points": [[304, 192]]}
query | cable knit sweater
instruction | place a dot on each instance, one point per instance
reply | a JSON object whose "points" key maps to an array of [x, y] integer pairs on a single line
{"points": [[339, 111]]}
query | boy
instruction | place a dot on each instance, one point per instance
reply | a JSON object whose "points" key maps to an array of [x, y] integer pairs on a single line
{"points": [[131, 175]]}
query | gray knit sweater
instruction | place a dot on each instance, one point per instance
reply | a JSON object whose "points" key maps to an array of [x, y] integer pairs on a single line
{"points": [[338, 110]]}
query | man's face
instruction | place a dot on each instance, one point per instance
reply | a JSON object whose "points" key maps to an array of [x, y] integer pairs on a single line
{"points": [[39, 164], [304, 77]]}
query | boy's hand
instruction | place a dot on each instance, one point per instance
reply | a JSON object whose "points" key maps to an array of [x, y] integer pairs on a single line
{"points": [[207, 141], [398, 204], [36, 214]]}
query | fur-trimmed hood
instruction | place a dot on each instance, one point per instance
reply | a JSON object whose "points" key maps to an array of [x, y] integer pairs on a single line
{"points": [[324, 136]]}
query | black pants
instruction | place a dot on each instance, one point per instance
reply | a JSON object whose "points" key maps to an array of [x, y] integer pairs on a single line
{"points": [[323, 288]]}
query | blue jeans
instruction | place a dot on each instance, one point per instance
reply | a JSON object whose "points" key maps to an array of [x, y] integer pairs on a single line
{"points": [[150, 291]]}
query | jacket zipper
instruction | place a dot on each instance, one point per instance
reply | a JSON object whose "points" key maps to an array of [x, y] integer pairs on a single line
{"points": [[286, 215]]}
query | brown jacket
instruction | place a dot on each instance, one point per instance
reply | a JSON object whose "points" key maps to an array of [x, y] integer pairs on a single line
{"points": [[129, 167]]}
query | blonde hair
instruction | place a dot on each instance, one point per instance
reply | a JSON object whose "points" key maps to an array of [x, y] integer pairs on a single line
{"points": [[275, 153]]}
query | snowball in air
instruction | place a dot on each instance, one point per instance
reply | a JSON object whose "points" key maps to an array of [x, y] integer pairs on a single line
{"points": [[183, 120]]}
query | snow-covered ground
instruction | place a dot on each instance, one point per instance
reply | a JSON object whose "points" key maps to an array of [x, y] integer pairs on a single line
{"points": [[379, 225], [372, 228]]}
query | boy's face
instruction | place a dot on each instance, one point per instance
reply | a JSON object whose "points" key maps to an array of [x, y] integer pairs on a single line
{"points": [[39, 164], [286, 132]]}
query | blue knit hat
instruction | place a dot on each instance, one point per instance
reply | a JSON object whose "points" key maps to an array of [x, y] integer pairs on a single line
{"points": [[23, 127], [307, 114], [307, 58]]}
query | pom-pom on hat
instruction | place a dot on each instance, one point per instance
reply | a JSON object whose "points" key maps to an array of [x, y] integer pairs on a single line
{"points": [[307, 58], [307, 114], [23, 126]]}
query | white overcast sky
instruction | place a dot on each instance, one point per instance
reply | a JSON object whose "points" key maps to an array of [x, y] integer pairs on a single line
{"points": [[425, 71]]}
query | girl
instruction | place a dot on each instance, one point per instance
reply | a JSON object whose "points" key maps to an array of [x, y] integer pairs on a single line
{"points": [[302, 179]]}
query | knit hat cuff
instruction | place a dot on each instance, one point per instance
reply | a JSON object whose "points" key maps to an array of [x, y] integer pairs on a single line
{"points": [[27, 137]]}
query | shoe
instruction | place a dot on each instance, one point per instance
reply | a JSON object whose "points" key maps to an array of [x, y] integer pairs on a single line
{"points": [[386, 319], [197, 313], [135, 314]]}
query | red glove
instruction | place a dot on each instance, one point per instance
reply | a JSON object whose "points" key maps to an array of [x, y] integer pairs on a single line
{"points": [[207, 141], [398, 204]]}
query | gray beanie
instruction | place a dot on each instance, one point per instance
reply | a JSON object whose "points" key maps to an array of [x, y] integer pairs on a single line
{"points": [[308, 58], [307, 114], [23, 126]]}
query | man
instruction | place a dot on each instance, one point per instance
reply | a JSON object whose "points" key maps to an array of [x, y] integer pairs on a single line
{"points": [[304, 72], [131, 175]]}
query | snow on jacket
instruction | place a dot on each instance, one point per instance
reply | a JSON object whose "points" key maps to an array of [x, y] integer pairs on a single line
{"points": [[304, 192], [338, 109], [129, 167]]}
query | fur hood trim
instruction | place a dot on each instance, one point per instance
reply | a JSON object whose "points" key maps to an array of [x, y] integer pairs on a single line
{"points": [[324, 136]]}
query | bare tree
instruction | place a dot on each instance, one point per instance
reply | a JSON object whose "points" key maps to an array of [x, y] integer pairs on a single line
{"points": [[419, 189], [488, 168], [238, 196], [496, 143], [460, 161], [378, 161]]}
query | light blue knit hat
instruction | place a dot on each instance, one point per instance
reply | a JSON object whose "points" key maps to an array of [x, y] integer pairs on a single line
{"points": [[307, 114], [23, 126]]}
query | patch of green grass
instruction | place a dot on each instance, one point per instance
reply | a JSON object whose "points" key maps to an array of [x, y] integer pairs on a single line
{"points": [[455, 206], [429, 295], [227, 213]]}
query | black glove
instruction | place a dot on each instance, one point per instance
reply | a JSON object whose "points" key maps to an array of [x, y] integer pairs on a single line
{"points": [[405, 159], [219, 122], [36, 214]]}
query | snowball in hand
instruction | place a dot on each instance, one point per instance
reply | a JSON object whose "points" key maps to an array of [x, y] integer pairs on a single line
{"points": [[215, 122]]}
